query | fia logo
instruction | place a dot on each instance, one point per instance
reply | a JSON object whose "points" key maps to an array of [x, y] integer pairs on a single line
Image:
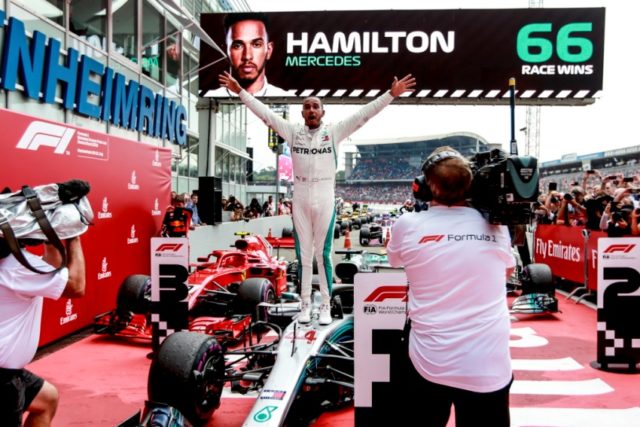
{"points": [[132, 239], [369, 309], [104, 212], [132, 184], [105, 273], [156, 211]]}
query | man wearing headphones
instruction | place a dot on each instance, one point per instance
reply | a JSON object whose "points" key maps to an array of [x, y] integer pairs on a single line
{"points": [[456, 265]]}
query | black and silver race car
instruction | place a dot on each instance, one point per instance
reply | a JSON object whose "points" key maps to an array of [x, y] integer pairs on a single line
{"points": [[298, 372]]}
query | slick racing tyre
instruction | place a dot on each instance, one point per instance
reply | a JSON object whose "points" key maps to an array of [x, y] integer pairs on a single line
{"points": [[537, 278], [188, 374], [135, 294], [251, 293], [365, 236]]}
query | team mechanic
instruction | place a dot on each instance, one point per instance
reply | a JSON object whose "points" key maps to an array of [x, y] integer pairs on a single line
{"points": [[314, 155], [456, 265]]}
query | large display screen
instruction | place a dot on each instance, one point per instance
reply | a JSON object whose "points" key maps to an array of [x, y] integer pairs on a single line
{"points": [[457, 56]]}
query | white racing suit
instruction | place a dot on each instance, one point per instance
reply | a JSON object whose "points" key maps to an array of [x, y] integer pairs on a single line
{"points": [[315, 159]]}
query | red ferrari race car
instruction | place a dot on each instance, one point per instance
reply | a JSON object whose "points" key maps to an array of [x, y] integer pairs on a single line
{"points": [[226, 289]]}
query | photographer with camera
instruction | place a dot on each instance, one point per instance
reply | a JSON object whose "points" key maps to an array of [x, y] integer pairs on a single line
{"points": [[620, 217], [572, 210], [456, 264], [21, 298], [552, 203], [616, 221]]}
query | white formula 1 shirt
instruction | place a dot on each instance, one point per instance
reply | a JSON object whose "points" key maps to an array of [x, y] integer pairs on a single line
{"points": [[456, 264]]}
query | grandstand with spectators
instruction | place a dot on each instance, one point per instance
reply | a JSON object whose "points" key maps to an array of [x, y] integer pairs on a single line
{"points": [[382, 171], [571, 167]]}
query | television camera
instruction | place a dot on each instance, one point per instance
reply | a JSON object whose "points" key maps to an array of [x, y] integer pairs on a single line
{"points": [[503, 188]]}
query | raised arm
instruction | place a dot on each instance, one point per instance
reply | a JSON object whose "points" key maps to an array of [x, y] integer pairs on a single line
{"points": [[75, 263], [271, 119]]}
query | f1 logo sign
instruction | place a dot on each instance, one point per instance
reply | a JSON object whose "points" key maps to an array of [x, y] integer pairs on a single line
{"points": [[619, 248], [40, 134], [432, 238], [173, 247], [387, 292]]}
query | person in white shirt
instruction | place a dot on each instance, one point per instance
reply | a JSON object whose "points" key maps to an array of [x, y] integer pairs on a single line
{"points": [[21, 299], [314, 154], [456, 265]]}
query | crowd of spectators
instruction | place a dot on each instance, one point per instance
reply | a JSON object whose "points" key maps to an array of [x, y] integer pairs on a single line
{"points": [[255, 209], [376, 193], [568, 180], [383, 168], [608, 202]]}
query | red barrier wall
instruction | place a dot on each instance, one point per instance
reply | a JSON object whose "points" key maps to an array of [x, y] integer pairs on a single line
{"points": [[562, 248], [130, 186]]}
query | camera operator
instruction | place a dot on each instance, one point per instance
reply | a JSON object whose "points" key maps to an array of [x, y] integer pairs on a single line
{"points": [[21, 300], [456, 265]]}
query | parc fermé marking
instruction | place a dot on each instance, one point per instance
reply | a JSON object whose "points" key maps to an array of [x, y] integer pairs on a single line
{"points": [[528, 338]]}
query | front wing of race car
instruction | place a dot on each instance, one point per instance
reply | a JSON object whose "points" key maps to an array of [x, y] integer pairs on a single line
{"points": [[227, 329]]}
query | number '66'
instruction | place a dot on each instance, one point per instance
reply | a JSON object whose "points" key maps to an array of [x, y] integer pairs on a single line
{"points": [[569, 48]]}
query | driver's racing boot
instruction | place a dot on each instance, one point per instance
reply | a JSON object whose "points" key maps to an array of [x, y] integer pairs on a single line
{"points": [[305, 313], [325, 314]]}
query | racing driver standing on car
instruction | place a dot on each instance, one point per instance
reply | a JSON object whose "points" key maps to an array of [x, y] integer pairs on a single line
{"points": [[456, 265], [314, 152]]}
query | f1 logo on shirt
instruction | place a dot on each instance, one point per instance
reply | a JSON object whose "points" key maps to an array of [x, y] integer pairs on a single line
{"points": [[45, 134], [619, 248], [432, 238]]}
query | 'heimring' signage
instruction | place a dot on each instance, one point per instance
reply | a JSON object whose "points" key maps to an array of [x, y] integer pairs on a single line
{"points": [[129, 105]]}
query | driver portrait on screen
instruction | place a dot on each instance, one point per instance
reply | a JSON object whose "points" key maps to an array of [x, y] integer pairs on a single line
{"points": [[249, 49]]}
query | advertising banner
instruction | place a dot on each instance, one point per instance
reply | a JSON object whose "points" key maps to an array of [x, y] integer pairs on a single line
{"points": [[457, 56], [380, 305], [592, 258], [563, 250], [130, 185], [618, 338]]}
